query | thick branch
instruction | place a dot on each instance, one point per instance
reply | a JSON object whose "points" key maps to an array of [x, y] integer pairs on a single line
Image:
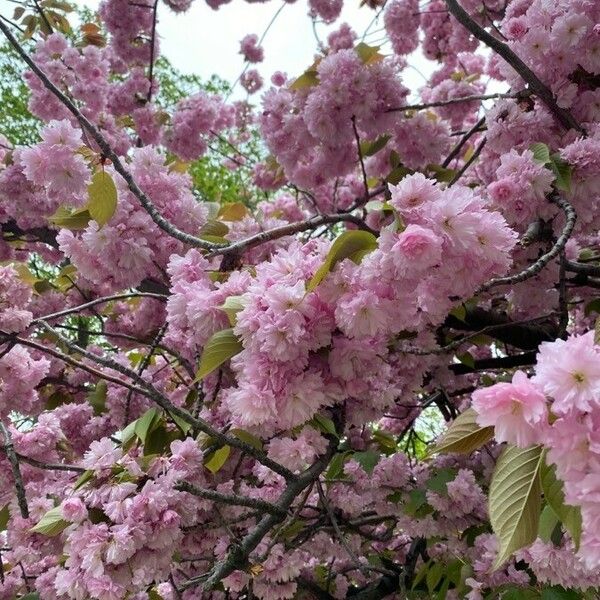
{"points": [[521, 335], [488, 364], [238, 556], [291, 229], [563, 116]]}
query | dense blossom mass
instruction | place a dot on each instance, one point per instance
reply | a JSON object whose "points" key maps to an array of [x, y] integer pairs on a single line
{"points": [[372, 369]]}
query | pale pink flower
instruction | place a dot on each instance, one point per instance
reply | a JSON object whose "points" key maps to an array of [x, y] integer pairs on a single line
{"points": [[516, 410], [569, 372]]}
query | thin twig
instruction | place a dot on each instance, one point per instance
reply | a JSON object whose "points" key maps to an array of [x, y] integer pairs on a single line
{"points": [[471, 160], [103, 300], [450, 101], [360, 156], [540, 263], [16, 471]]}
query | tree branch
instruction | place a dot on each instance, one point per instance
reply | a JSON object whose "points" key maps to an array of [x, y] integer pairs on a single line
{"points": [[540, 263], [563, 116], [108, 152], [291, 229], [16, 470], [231, 499]]}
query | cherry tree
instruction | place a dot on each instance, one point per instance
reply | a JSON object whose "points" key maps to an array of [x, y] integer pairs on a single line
{"points": [[374, 373]]}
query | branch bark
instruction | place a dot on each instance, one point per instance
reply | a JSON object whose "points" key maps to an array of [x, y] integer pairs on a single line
{"points": [[564, 117]]}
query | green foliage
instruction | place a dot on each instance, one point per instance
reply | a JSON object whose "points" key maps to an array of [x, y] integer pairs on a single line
{"points": [[16, 123], [570, 516], [220, 347], [515, 499], [464, 435], [352, 244]]}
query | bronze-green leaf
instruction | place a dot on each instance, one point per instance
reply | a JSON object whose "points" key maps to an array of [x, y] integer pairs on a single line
{"points": [[464, 434], [515, 499], [570, 516], [352, 244], [217, 459], [102, 198], [52, 523]]}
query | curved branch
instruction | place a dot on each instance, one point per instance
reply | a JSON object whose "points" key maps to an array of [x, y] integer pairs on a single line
{"points": [[540, 263], [80, 307], [291, 229]]}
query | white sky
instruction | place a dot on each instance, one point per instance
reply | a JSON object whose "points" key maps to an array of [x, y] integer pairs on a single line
{"points": [[203, 41]]}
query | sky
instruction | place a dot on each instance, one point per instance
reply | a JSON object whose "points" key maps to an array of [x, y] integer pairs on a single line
{"points": [[203, 41]]}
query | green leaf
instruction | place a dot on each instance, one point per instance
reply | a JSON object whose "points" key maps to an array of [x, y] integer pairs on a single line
{"points": [[439, 482], [128, 434], [570, 516], [417, 504], [562, 171], [367, 460], [97, 398], [308, 79], [220, 347], [214, 228], [52, 523], [515, 499], [370, 148], [4, 517], [146, 423], [83, 479], [466, 358], [520, 593], [68, 219], [368, 54], [324, 424], [557, 592], [593, 306], [464, 435], [30, 596], [336, 466], [386, 441], [434, 576], [250, 439], [352, 244], [548, 523], [460, 312], [183, 425], [102, 198], [159, 439], [541, 153], [397, 174], [232, 306], [442, 174], [217, 459]]}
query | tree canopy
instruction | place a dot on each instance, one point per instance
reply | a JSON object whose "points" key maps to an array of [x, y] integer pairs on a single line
{"points": [[331, 337]]}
